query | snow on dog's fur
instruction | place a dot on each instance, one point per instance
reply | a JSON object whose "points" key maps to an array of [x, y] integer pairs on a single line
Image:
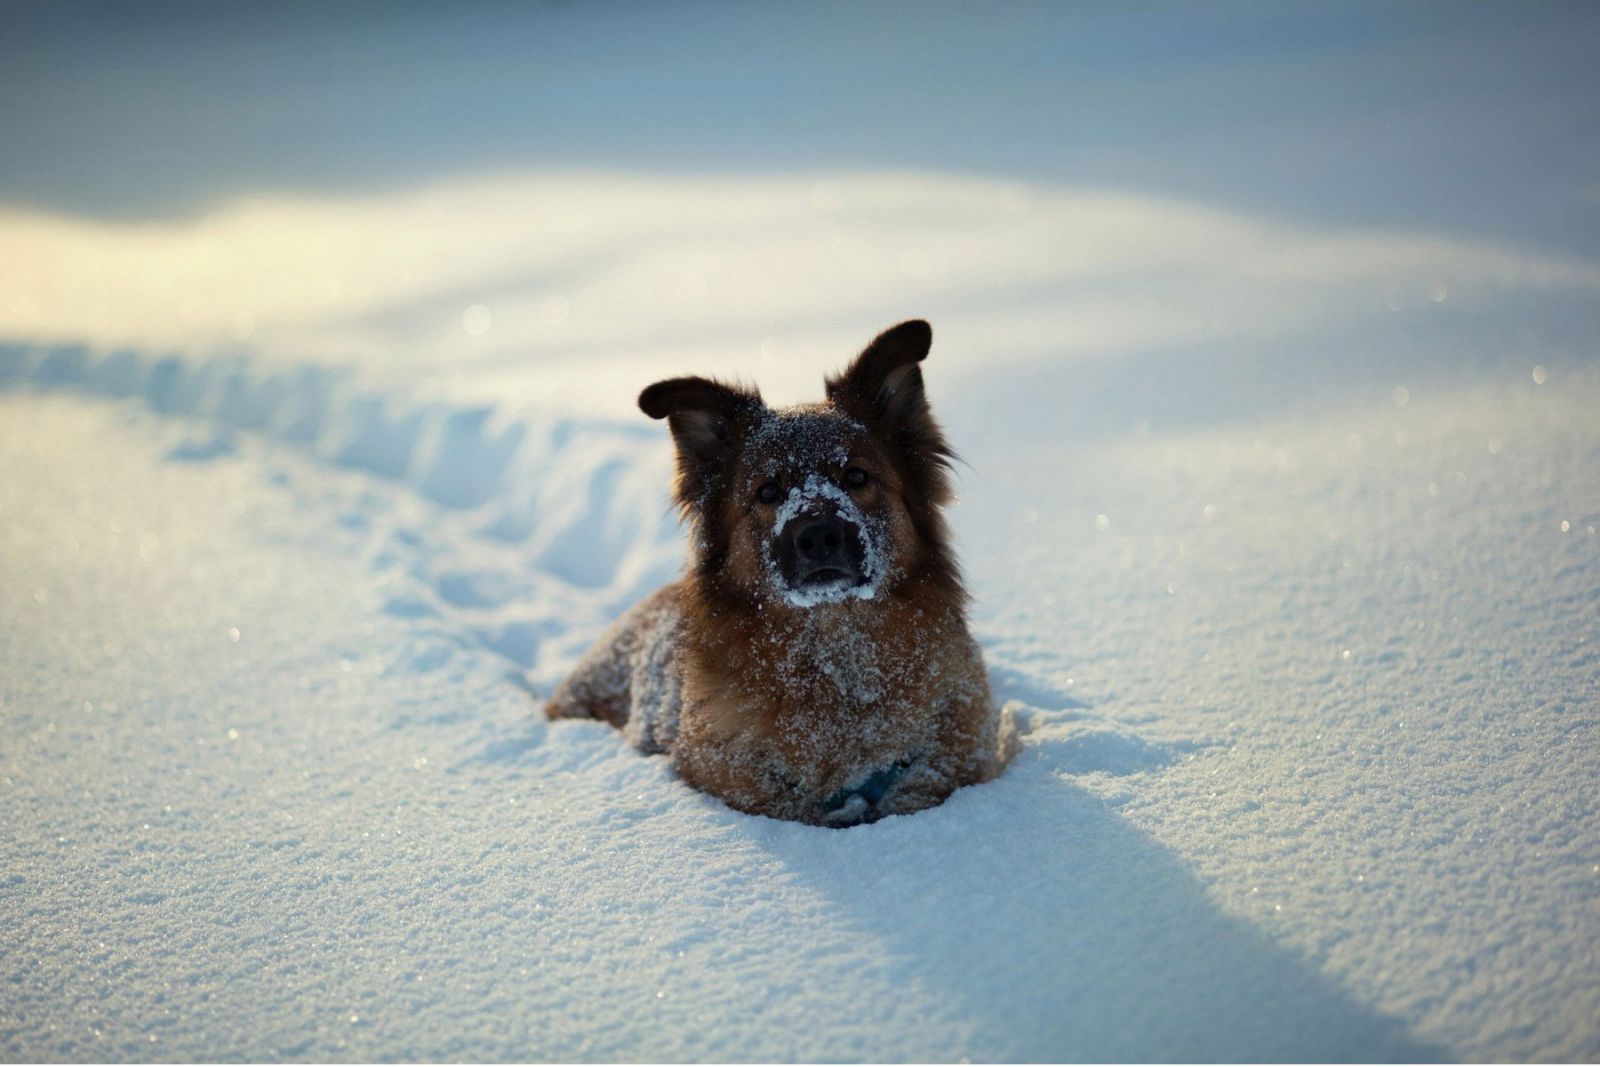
{"points": [[814, 662]]}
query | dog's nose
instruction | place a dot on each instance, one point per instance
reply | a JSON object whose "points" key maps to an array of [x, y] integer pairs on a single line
{"points": [[819, 540]]}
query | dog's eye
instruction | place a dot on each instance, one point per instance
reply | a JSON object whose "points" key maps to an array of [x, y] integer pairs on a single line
{"points": [[855, 477], [768, 493]]}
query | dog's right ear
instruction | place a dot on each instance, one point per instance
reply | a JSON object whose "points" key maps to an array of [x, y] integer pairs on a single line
{"points": [[703, 416]]}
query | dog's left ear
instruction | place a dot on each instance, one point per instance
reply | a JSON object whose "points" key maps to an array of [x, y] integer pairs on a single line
{"points": [[883, 388], [884, 385]]}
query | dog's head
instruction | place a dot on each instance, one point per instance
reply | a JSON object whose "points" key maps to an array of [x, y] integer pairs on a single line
{"points": [[818, 504]]}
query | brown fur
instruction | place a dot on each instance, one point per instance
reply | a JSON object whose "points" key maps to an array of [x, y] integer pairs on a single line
{"points": [[838, 712]]}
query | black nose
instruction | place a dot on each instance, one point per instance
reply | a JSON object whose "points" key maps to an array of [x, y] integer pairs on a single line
{"points": [[819, 540]]}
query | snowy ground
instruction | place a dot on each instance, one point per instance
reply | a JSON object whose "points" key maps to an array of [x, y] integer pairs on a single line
{"points": [[1312, 773], [1266, 332]]}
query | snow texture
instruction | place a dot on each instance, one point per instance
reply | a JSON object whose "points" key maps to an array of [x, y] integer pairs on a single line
{"points": [[1310, 706]]}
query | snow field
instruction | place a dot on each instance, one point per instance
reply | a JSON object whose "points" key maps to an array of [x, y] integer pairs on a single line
{"points": [[1382, 625], [1310, 772]]}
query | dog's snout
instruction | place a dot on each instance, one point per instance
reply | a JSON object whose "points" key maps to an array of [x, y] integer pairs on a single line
{"points": [[819, 540], [818, 549]]}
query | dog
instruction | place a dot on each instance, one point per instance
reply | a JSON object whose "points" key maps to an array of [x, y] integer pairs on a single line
{"points": [[814, 662]]}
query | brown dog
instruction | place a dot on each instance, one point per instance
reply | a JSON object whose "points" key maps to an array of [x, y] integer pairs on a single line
{"points": [[814, 663]]}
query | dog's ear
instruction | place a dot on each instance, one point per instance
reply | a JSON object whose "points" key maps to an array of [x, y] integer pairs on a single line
{"points": [[884, 384], [703, 416], [883, 388]]}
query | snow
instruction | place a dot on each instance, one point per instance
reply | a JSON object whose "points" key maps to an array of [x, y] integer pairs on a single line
{"points": [[1279, 520], [803, 268], [1309, 773]]}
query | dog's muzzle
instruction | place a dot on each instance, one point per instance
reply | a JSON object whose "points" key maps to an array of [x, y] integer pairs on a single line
{"points": [[818, 551]]}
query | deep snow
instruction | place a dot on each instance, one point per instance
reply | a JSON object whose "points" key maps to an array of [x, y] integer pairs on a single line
{"points": [[1311, 772]]}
